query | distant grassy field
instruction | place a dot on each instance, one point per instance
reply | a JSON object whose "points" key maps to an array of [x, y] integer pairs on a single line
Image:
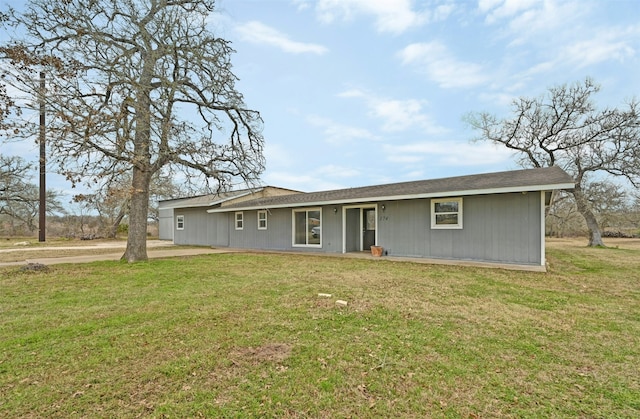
{"points": [[236, 335]]}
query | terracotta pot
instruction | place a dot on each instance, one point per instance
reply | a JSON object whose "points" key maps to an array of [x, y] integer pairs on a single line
{"points": [[376, 250]]}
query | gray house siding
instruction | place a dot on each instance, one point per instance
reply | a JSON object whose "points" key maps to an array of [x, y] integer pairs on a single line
{"points": [[496, 228], [279, 236], [275, 237], [403, 228], [197, 228], [219, 232], [352, 231], [165, 224], [502, 217], [201, 228]]}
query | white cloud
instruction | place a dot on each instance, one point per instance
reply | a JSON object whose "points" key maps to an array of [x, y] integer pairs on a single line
{"points": [[525, 21], [399, 115], [336, 133], [441, 66], [394, 16], [324, 178], [405, 158], [601, 45], [452, 153], [336, 171], [396, 115], [499, 9], [259, 33], [277, 155], [613, 44], [301, 4], [498, 98]]}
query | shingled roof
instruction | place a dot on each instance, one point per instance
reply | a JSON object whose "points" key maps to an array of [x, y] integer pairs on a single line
{"points": [[548, 178], [205, 200]]}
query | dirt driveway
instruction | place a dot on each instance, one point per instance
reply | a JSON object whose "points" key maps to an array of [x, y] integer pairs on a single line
{"points": [[22, 253]]}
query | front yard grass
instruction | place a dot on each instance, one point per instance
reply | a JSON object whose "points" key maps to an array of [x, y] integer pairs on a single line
{"points": [[246, 335]]}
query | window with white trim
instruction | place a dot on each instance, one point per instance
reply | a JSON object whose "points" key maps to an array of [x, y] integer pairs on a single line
{"points": [[307, 227], [239, 220], [262, 220], [179, 222], [446, 213]]}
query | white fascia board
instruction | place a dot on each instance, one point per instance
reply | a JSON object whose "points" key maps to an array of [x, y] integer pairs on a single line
{"points": [[206, 204], [403, 197], [221, 201], [183, 205]]}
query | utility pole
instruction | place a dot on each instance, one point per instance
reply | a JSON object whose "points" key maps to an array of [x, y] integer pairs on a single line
{"points": [[43, 164]]}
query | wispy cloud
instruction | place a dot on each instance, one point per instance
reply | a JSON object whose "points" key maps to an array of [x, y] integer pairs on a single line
{"points": [[553, 38], [301, 4], [440, 66], [451, 153], [326, 177], [393, 16], [336, 133], [337, 171], [524, 21], [500, 9], [259, 33], [601, 45], [612, 44], [395, 114]]}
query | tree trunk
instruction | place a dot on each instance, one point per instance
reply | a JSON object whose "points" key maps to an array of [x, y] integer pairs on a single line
{"points": [[595, 236], [137, 236], [113, 228], [141, 179]]}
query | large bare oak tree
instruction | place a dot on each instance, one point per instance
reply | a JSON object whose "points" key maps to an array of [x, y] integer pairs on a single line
{"points": [[153, 88], [564, 128]]}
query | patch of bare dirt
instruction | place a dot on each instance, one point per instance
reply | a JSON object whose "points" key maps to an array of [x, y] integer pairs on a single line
{"points": [[272, 352]]}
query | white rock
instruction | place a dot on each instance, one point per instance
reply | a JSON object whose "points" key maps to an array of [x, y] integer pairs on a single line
{"points": [[324, 295], [341, 302]]}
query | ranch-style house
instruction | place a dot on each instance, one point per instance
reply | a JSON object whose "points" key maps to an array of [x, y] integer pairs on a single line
{"points": [[492, 218]]}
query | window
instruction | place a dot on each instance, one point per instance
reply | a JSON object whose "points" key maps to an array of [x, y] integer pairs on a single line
{"points": [[239, 220], [180, 222], [262, 220], [307, 227], [446, 213]]}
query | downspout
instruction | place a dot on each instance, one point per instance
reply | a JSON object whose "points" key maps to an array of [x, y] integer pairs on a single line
{"points": [[344, 229], [543, 255]]}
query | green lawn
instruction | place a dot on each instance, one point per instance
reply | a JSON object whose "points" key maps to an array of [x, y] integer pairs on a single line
{"points": [[248, 336]]}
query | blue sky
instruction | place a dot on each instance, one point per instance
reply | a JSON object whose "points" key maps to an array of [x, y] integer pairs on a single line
{"points": [[363, 92]]}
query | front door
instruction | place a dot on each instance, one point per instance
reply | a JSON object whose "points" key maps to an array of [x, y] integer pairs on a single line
{"points": [[369, 228]]}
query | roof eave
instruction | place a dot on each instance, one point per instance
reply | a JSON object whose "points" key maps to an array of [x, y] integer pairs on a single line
{"points": [[231, 198], [443, 194]]}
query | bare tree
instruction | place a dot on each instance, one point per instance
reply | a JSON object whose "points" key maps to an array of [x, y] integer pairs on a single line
{"points": [[113, 200], [19, 198], [152, 88], [6, 102], [564, 128], [563, 218], [608, 200]]}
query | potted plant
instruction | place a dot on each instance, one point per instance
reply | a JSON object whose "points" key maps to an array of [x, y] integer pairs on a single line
{"points": [[376, 250]]}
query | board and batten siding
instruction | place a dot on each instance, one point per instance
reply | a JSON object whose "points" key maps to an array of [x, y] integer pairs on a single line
{"points": [[278, 235], [198, 229], [503, 228], [219, 229], [165, 224], [496, 228]]}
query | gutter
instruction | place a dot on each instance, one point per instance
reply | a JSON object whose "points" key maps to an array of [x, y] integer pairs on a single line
{"points": [[443, 194]]}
